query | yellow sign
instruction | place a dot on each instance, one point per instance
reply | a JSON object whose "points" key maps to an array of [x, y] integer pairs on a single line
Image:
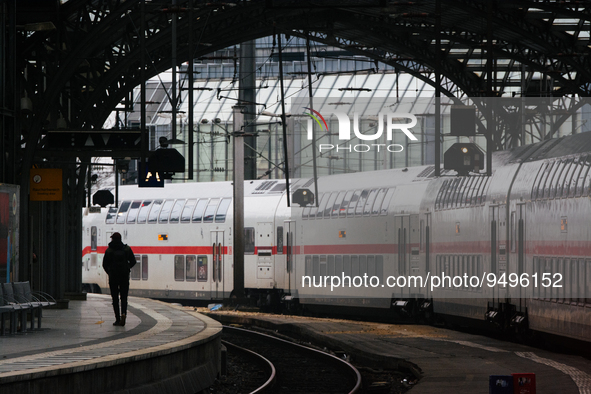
{"points": [[162, 237], [46, 184]]}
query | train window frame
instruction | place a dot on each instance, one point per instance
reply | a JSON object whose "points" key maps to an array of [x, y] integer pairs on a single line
{"points": [[553, 268], [375, 210], [142, 215], [315, 266], [210, 210], [387, 200], [380, 267], [222, 210], [354, 266], [347, 268], [587, 180], [371, 266], [279, 239], [353, 203], [438, 196], [330, 265], [155, 211], [165, 211], [187, 212], [588, 281], [475, 191], [322, 205], [314, 209], [111, 215], [559, 269], [345, 203], [199, 210], [175, 211], [573, 280], [179, 265], [362, 265], [338, 264], [93, 239], [556, 180], [136, 270], [535, 186], [544, 178], [572, 191], [323, 266], [133, 211], [570, 172], [122, 211], [327, 211], [581, 285], [371, 198], [308, 266], [249, 240], [336, 207], [580, 181], [191, 266], [306, 212], [549, 179], [460, 191], [464, 190], [145, 267], [202, 268]]}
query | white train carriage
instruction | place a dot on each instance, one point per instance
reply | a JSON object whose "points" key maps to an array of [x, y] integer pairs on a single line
{"points": [[529, 220]]}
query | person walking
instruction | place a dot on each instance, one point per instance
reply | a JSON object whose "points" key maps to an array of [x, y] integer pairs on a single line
{"points": [[117, 263]]}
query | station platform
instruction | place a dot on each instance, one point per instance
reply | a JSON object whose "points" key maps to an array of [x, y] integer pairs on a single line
{"points": [[442, 360], [163, 348]]}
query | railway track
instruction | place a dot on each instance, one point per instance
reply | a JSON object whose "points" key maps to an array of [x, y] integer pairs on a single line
{"points": [[292, 368]]}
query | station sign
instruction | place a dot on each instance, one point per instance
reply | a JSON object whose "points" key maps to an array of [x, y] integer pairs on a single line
{"points": [[46, 184]]}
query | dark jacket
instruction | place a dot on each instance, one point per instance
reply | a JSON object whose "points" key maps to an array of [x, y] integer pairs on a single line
{"points": [[110, 263]]}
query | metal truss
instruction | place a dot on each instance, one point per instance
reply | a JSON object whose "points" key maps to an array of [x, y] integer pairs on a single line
{"points": [[85, 67]]}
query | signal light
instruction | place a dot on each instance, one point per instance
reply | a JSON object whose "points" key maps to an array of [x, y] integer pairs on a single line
{"points": [[463, 158], [303, 197]]}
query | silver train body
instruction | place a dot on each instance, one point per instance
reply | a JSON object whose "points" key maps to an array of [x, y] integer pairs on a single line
{"points": [[532, 216]]}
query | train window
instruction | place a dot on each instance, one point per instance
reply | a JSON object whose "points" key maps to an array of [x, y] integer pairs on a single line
{"points": [[370, 201], [362, 265], [188, 211], [93, 239], [580, 186], [440, 194], [191, 267], [438, 265], [314, 209], [475, 188], [354, 266], [329, 205], [371, 266], [347, 267], [559, 292], [587, 286], [512, 232], [249, 240], [122, 214], [572, 192], [220, 215], [549, 179], [553, 268], [179, 267], [556, 180], [386, 203], [165, 211], [111, 215], [586, 180], [380, 267], [323, 266], [153, 216], [569, 175], [136, 270], [322, 205], [306, 212], [463, 181], [336, 207], [144, 267], [573, 281], [482, 197], [133, 211], [535, 185], [308, 266], [279, 239], [175, 213], [338, 265], [201, 268], [582, 284], [361, 202], [353, 203], [199, 209], [345, 203], [142, 215], [375, 210], [210, 210], [316, 266], [465, 269]]}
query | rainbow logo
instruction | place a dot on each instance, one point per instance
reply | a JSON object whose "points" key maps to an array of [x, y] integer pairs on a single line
{"points": [[316, 119]]}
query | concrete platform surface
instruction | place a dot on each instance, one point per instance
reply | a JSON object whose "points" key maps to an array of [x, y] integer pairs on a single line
{"points": [[446, 361], [162, 348]]}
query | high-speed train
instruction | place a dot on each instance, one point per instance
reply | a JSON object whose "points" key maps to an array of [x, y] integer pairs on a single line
{"points": [[513, 249]]}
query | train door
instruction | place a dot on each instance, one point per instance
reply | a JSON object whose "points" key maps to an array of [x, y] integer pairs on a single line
{"points": [[498, 246], [289, 229], [517, 244], [264, 249], [217, 265], [402, 227]]}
